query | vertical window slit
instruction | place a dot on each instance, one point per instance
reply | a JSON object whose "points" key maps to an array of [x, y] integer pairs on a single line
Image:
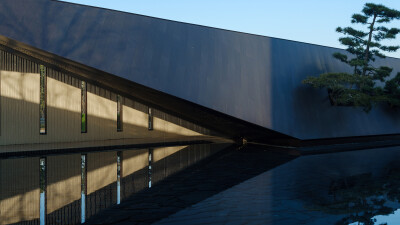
{"points": [[83, 107], [150, 118], [119, 113], [43, 97]]}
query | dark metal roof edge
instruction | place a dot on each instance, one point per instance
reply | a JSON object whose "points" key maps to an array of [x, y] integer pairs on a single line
{"points": [[199, 25]]}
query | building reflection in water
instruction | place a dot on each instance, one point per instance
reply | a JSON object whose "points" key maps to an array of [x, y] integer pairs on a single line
{"points": [[269, 188], [71, 188], [356, 187], [19, 190], [83, 187]]}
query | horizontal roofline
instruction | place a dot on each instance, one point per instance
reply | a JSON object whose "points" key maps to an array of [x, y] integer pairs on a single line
{"points": [[199, 25]]}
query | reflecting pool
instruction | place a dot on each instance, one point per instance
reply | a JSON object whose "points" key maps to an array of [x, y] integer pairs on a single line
{"points": [[202, 184]]}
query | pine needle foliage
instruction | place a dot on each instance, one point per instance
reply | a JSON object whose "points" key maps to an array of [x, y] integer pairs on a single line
{"points": [[359, 88]]}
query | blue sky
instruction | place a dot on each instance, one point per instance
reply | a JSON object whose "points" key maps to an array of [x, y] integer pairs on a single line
{"points": [[311, 21]]}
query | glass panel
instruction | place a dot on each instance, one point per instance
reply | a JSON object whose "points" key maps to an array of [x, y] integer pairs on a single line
{"points": [[42, 106], [83, 107], [119, 113], [150, 119]]}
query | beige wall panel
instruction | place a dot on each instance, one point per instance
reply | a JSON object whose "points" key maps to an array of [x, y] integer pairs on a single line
{"points": [[171, 128], [161, 153], [19, 108], [102, 118], [19, 190], [63, 181], [134, 160], [101, 170], [164, 128], [63, 112], [135, 123]]}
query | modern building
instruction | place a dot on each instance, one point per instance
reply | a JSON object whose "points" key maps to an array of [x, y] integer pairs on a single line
{"points": [[74, 76], [104, 104]]}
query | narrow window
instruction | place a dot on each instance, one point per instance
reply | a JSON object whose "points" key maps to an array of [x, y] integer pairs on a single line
{"points": [[150, 119], [83, 107], [83, 187], [119, 113], [42, 183], [43, 97]]}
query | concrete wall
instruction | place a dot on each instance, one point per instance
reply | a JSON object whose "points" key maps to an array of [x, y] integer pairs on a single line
{"points": [[20, 111]]}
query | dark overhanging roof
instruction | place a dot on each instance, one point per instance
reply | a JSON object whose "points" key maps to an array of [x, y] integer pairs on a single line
{"points": [[199, 25], [223, 124]]}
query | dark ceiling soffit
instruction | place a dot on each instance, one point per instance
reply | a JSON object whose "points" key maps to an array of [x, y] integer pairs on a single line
{"points": [[226, 125]]}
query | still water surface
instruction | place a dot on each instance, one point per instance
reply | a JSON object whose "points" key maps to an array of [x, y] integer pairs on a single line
{"points": [[202, 184]]}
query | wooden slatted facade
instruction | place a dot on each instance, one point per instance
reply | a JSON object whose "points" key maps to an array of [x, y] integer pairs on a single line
{"points": [[20, 98]]}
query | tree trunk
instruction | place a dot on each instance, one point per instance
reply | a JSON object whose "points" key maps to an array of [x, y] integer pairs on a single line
{"points": [[371, 29]]}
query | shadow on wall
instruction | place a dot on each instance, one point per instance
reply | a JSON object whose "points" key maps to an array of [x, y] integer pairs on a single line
{"points": [[19, 198]]}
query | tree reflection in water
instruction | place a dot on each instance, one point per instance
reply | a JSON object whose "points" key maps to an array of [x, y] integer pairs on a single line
{"points": [[362, 197]]}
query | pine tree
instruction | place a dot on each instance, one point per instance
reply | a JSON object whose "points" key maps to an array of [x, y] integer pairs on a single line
{"points": [[359, 87]]}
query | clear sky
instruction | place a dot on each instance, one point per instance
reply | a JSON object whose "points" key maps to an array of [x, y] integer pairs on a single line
{"points": [[311, 21]]}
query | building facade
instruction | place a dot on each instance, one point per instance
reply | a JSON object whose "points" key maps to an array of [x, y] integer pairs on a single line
{"points": [[236, 84]]}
